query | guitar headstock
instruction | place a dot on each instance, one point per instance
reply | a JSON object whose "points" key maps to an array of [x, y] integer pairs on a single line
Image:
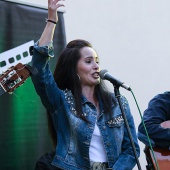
{"points": [[13, 78]]}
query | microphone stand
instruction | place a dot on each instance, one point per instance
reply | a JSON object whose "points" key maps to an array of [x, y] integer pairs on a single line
{"points": [[117, 94]]}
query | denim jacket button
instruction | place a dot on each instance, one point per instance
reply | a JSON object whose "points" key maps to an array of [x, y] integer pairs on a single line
{"points": [[69, 151], [108, 144], [104, 127], [86, 158], [87, 143]]}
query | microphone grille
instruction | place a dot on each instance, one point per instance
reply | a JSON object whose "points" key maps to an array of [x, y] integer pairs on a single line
{"points": [[102, 73]]}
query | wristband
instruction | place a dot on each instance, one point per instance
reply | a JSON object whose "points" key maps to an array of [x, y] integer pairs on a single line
{"points": [[48, 20]]}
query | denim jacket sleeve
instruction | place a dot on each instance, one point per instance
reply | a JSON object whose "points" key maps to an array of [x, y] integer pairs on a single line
{"points": [[157, 112], [44, 83], [127, 158]]}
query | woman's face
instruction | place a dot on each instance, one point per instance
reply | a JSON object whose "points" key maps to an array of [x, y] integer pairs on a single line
{"points": [[88, 67]]}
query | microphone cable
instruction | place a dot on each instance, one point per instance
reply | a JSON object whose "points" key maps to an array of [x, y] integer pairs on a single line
{"points": [[150, 145]]}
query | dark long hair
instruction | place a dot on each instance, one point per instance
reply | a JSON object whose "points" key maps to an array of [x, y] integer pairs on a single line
{"points": [[65, 75]]}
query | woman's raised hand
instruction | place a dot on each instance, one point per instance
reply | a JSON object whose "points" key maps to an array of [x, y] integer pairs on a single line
{"points": [[53, 5]]}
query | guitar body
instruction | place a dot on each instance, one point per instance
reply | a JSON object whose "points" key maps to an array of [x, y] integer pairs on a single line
{"points": [[14, 77], [162, 155]]}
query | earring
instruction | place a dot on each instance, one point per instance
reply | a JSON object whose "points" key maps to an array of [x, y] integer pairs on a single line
{"points": [[78, 76]]}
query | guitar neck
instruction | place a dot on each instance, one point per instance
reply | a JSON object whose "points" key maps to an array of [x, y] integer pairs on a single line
{"points": [[2, 90]]}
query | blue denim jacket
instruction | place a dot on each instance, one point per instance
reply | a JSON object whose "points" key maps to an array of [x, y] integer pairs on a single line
{"points": [[157, 112], [74, 134]]}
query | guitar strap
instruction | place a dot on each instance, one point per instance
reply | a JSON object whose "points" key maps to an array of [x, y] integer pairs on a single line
{"points": [[31, 69]]}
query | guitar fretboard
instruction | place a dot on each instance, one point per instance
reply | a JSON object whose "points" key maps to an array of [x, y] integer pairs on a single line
{"points": [[2, 90]]}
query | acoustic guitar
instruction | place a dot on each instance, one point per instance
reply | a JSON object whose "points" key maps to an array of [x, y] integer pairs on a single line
{"points": [[162, 155], [14, 77]]}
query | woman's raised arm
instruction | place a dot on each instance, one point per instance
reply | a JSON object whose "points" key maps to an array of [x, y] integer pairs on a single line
{"points": [[52, 20]]}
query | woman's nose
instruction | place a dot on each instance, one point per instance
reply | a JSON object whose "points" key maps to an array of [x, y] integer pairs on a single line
{"points": [[96, 65]]}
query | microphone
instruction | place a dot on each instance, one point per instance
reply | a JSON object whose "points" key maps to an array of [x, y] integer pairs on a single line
{"points": [[117, 83]]}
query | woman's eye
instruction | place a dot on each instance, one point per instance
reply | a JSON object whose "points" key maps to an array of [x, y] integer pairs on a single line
{"points": [[88, 61]]}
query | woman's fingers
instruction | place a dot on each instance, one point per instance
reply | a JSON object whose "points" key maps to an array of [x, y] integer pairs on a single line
{"points": [[53, 5]]}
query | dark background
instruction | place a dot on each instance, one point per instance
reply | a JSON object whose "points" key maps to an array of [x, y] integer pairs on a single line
{"points": [[24, 133]]}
